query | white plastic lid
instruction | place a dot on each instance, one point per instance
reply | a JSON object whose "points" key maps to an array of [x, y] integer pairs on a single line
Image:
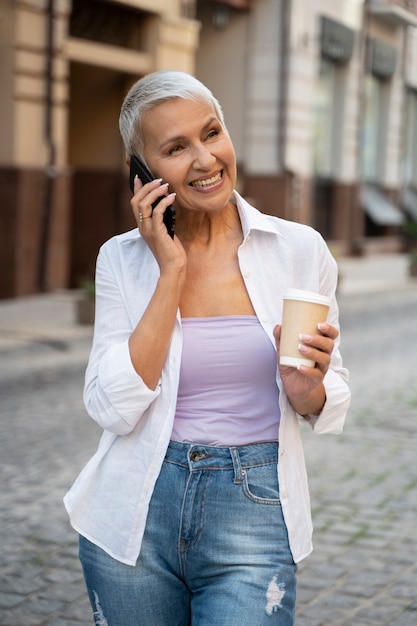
{"points": [[306, 296]]}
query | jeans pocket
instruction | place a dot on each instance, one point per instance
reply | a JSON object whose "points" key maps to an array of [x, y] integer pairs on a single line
{"points": [[260, 484]]}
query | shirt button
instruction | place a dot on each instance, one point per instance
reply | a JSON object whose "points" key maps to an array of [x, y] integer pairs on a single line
{"points": [[246, 274], [284, 495]]}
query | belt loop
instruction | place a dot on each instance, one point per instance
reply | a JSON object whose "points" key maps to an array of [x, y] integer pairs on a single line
{"points": [[237, 466]]}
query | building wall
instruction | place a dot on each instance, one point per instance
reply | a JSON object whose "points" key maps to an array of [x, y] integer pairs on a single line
{"points": [[411, 58], [221, 62], [34, 194], [262, 90], [62, 169], [63, 178], [273, 125]]}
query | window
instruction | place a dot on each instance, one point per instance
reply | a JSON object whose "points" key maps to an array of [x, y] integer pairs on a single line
{"points": [[110, 24]]}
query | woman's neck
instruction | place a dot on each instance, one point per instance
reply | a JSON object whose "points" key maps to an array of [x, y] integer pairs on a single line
{"points": [[194, 227]]}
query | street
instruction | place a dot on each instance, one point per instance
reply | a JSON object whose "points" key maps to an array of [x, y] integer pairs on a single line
{"points": [[363, 483]]}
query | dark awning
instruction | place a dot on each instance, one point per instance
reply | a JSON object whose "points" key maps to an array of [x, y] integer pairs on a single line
{"points": [[380, 208]]}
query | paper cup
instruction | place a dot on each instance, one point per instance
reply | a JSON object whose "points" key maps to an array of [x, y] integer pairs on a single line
{"points": [[302, 311]]}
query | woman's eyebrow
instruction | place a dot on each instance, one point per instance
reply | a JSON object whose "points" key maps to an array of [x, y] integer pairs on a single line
{"points": [[179, 138]]}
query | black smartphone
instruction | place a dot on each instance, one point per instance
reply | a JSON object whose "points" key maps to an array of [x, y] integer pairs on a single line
{"points": [[137, 168]]}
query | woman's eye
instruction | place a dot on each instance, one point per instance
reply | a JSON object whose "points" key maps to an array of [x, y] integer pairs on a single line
{"points": [[212, 133], [174, 149]]}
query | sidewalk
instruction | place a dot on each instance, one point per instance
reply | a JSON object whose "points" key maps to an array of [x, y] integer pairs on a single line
{"points": [[41, 318], [376, 273], [40, 332], [47, 321]]}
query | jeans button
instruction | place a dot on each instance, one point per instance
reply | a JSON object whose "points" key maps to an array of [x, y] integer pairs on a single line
{"points": [[195, 456]]}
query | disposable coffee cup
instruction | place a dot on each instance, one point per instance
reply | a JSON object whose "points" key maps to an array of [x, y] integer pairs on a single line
{"points": [[302, 312]]}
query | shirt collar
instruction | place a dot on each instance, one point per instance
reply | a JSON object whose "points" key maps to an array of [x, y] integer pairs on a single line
{"points": [[253, 219], [250, 218]]}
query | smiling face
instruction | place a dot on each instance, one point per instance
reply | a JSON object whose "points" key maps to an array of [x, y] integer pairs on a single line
{"points": [[186, 145]]}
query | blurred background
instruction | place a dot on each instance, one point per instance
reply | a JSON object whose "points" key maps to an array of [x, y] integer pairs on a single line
{"points": [[320, 98]]}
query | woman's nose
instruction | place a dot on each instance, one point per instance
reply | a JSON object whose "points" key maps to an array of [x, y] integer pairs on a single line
{"points": [[203, 158]]}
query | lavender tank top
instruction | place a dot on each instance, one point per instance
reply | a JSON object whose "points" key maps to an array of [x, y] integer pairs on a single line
{"points": [[227, 394]]}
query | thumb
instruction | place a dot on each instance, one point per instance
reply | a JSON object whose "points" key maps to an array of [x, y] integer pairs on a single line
{"points": [[277, 332]]}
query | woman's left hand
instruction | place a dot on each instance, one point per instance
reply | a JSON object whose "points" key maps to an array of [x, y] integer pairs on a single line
{"points": [[304, 385]]}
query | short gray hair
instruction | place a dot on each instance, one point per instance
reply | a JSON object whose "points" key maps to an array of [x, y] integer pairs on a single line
{"points": [[154, 89]]}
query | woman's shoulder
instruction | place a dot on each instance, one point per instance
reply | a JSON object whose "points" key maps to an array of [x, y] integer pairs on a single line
{"points": [[123, 244], [122, 239], [126, 248]]}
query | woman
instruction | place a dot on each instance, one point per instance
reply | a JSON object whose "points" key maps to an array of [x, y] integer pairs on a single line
{"points": [[182, 515]]}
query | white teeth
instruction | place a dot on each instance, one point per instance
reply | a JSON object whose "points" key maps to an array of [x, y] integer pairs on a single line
{"points": [[207, 182]]}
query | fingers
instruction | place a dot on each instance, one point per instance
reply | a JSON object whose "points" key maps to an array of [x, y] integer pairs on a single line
{"points": [[142, 203], [319, 347], [328, 330], [145, 195], [316, 347], [325, 330]]}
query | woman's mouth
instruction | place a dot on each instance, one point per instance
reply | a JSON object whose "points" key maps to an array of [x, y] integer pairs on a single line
{"points": [[207, 182]]}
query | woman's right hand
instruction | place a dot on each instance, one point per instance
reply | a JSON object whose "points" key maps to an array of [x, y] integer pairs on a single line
{"points": [[168, 251], [150, 340]]}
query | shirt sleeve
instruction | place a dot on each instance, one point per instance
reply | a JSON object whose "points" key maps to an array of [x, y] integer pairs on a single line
{"points": [[115, 396], [333, 415]]}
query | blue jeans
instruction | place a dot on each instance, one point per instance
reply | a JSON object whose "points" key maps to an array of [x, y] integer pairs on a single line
{"points": [[215, 550]]}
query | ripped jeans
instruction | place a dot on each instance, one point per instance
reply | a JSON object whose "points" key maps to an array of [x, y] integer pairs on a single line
{"points": [[215, 550]]}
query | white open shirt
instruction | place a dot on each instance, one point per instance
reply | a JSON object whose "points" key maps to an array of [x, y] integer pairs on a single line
{"points": [[108, 502]]}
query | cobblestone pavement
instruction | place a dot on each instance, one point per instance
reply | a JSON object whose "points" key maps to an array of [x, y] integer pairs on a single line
{"points": [[363, 483]]}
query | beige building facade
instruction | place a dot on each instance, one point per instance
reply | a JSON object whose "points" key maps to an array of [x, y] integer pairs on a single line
{"points": [[65, 68], [320, 98]]}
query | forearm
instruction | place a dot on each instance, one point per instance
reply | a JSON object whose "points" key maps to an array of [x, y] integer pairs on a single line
{"points": [[149, 342]]}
